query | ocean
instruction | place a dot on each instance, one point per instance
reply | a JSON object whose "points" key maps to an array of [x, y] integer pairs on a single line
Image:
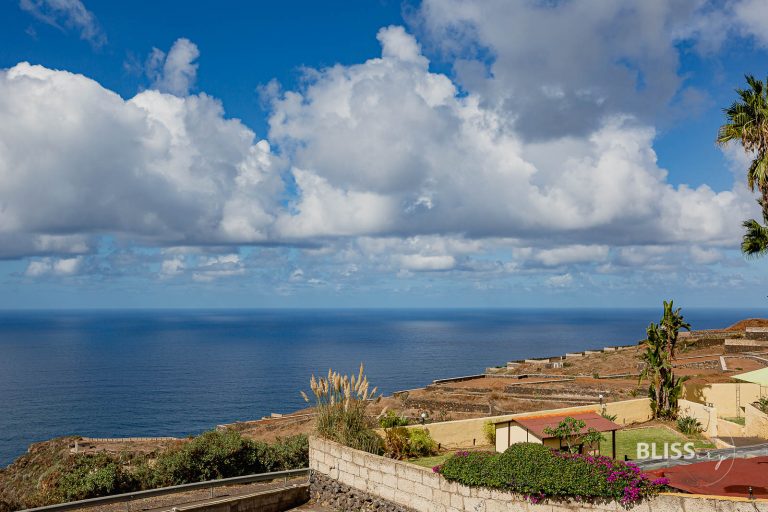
{"points": [[175, 373]]}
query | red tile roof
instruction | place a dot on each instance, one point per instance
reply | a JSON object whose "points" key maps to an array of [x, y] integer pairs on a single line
{"points": [[536, 424], [727, 477]]}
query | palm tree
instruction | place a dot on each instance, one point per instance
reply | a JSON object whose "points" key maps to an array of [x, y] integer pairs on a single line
{"points": [[665, 389], [747, 123], [755, 242]]}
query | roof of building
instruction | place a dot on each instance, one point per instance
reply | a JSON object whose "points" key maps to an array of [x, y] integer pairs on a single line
{"points": [[536, 424], [727, 477], [758, 376]]}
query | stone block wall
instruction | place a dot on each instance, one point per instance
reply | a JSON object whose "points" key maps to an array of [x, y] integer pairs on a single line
{"points": [[403, 487]]}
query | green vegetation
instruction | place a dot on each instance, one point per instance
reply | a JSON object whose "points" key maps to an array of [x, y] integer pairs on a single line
{"points": [[432, 461], [665, 389], [341, 402], [391, 419], [655, 437], [489, 432], [739, 421], [570, 432], [401, 443], [689, 425], [762, 404], [539, 473], [420, 443], [747, 124], [85, 477], [212, 455]]}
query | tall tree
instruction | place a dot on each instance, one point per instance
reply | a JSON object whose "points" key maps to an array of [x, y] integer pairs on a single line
{"points": [[665, 389], [747, 123]]}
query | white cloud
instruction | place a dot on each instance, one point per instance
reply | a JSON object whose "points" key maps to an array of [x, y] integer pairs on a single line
{"points": [[557, 68], [67, 14], [172, 267], [217, 267], [752, 18], [396, 169], [158, 169], [419, 262], [371, 141], [176, 72], [572, 254], [559, 281], [53, 266], [704, 256]]}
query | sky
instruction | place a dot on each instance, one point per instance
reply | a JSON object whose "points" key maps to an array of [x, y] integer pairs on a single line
{"points": [[442, 153]]}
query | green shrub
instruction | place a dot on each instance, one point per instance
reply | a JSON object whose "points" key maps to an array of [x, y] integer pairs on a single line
{"points": [[396, 441], [689, 425], [420, 443], [224, 454], [91, 476], [537, 473], [401, 442], [489, 432], [609, 417], [392, 419]]}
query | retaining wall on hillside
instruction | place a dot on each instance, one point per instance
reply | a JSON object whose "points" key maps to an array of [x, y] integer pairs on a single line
{"points": [[419, 489], [756, 422]]}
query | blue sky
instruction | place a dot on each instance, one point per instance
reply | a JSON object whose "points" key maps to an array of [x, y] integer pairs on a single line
{"points": [[374, 153]]}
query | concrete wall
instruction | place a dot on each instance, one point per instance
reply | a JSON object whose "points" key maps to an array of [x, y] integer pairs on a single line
{"points": [[726, 429], [756, 422], [422, 490], [728, 397], [707, 416], [278, 500]]}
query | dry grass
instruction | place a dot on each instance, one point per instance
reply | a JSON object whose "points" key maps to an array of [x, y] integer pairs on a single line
{"points": [[341, 402]]}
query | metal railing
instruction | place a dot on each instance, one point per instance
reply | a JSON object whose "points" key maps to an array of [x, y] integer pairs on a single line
{"points": [[130, 497]]}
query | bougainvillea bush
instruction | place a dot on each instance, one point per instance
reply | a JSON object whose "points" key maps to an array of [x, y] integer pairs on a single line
{"points": [[539, 473]]}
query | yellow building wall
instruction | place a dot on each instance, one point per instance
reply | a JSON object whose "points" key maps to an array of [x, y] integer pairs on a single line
{"points": [[729, 398]]}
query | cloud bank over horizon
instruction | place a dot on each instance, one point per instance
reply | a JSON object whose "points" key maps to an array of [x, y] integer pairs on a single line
{"points": [[533, 159]]}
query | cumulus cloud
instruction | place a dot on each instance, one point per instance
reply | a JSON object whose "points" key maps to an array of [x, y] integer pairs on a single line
{"points": [[53, 266], [387, 147], [391, 167], [219, 267], [157, 168], [176, 72], [554, 75], [559, 281], [67, 14]]}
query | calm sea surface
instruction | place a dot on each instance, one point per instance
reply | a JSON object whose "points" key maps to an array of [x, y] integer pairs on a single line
{"points": [[172, 373]]}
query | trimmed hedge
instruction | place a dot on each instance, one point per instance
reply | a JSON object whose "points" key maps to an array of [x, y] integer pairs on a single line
{"points": [[539, 473]]}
